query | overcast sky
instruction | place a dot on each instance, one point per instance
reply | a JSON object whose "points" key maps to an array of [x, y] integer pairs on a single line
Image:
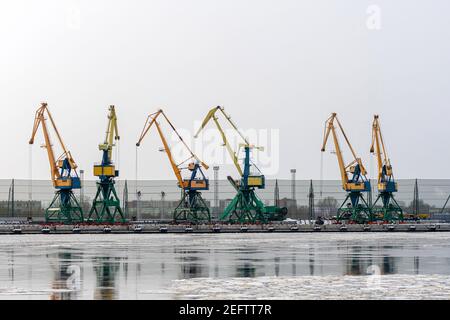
{"points": [[278, 65]]}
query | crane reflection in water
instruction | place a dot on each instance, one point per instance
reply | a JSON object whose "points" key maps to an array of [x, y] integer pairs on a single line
{"points": [[106, 270], [66, 284]]}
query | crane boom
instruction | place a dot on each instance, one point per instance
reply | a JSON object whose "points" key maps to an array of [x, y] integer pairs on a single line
{"points": [[191, 207], [390, 210], [152, 120], [64, 208], [212, 115], [112, 134], [331, 128], [357, 209], [106, 168], [355, 167], [106, 203], [246, 206], [378, 148], [57, 165], [175, 168]]}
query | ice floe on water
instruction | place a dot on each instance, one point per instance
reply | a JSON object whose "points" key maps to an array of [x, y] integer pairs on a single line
{"points": [[10, 291], [386, 287]]}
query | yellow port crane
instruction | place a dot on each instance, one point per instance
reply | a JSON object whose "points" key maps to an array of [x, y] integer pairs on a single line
{"points": [[390, 210], [64, 207], [192, 207], [212, 115], [107, 167], [246, 206], [357, 210], [106, 205]]}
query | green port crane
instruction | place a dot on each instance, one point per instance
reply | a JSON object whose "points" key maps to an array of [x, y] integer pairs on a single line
{"points": [[246, 207], [357, 210], [192, 207], [106, 205], [390, 210], [64, 207]]}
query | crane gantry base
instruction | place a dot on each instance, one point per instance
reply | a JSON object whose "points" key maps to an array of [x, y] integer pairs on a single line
{"points": [[192, 208], [64, 208], [354, 211], [246, 207], [106, 205], [391, 210]]}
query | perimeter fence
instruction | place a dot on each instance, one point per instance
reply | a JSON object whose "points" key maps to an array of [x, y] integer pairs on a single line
{"points": [[157, 199]]}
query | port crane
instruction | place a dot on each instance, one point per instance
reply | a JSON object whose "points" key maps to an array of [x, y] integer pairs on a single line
{"points": [[192, 207], [246, 207], [106, 204], [353, 177], [64, 207], [390, 211]]}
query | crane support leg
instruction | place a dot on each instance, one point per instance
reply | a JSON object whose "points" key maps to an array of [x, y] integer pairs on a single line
{"points": [[391, 211], [246, 207], [192, 208], [64, 208], [355, 211], [106, 205]]}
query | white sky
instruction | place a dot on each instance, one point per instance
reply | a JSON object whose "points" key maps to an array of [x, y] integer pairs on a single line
{"points": [[273, 64]]}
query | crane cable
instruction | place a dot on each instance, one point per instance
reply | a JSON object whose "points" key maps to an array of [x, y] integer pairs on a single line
{"points": [[118, 154], [321, 174], [30, 186], [119, 185], [136, 172], [371, 170]]}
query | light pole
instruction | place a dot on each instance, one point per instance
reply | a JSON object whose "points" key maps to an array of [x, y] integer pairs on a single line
{"points": [[163, 196], [138, 205], [82, 188], [216, 188], [311, 202], [293, 172]]}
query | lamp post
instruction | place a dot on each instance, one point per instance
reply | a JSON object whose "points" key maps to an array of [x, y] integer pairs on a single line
{"points": [[293, 184], [138, 205], [163, 197], [82, 188], [216, 189]]}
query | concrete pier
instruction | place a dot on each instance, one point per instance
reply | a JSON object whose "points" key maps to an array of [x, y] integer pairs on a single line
{"points": [[219, 228]]}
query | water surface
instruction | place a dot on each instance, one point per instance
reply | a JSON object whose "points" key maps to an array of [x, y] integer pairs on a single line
{"points": [[224, 266]]}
